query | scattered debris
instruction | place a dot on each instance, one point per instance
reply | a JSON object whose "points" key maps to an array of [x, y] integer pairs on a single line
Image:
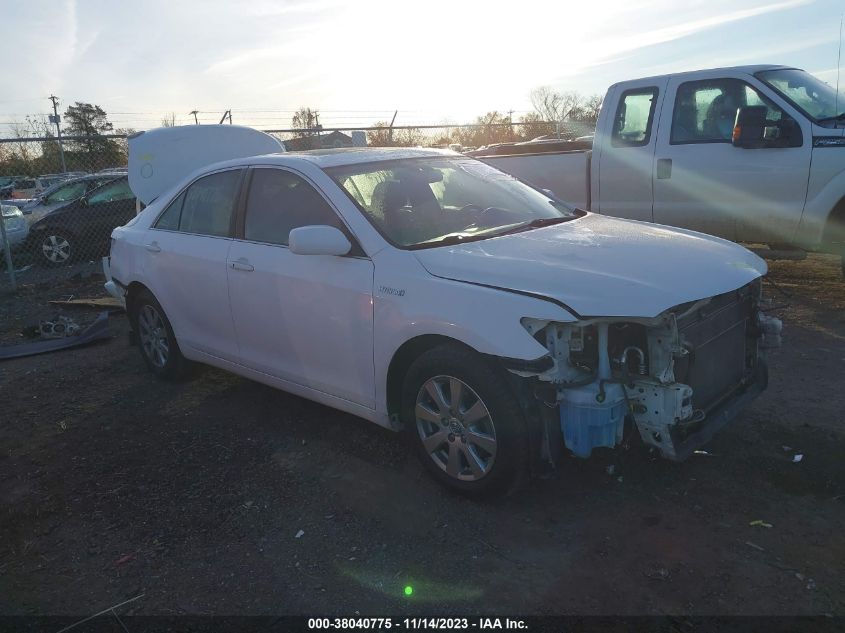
{"points": [[704, 453], [658, 573], [123, 560], [59, 327], [98, 330], [610, 470], [755, 546], [797, 458], [760, 523], [300, 534], [811, 584], [619, 479], [99, 302], [786, 448]]}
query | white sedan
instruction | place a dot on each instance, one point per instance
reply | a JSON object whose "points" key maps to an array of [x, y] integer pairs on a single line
{"points": [[426, 291]]}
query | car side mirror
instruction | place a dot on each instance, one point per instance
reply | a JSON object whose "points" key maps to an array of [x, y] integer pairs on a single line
{"points": [[750, 127], [83, 201], [318, 240]]}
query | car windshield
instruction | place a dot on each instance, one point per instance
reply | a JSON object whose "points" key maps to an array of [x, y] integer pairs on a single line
{"points": [[434, 201], [807, 93]]}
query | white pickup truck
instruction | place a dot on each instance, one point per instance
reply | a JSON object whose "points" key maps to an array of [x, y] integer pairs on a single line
{"points": [[751, 154]]}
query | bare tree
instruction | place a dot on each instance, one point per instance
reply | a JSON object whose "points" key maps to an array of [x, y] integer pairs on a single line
{"points": [[552, 105], [305, 119], [169, 120], [533, 125], [379, 138]]}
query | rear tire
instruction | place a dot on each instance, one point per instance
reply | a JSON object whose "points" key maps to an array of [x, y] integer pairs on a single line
{"points": [[464, 421], [156, 340]]}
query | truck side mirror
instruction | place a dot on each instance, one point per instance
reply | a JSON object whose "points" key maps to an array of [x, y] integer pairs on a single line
{"points": [[750, 127]]}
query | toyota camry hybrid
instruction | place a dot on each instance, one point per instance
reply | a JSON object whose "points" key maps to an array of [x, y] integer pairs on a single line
{"points": [[429, 292]]}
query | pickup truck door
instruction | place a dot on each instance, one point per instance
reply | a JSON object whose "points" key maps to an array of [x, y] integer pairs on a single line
{"points": [[703, 182], [626, 149]]}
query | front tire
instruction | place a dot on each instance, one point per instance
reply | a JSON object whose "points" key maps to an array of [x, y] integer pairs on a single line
{"points": [[464, 421], [156, 340]]}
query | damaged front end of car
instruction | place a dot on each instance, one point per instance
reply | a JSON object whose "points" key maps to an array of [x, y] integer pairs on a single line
{"points": [[678, 377]]}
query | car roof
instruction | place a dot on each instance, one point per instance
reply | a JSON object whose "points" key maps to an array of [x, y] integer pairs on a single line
{"points": [[338, 157]]}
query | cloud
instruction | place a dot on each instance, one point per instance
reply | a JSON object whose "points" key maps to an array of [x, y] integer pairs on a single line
{"points": [[616, 44]]}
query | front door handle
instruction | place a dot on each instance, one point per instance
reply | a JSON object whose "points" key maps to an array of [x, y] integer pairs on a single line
{"points": [[664, 168], [242, 264], [153, 247]]}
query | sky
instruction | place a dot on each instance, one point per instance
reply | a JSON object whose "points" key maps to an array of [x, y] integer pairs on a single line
{"points": [[357, 61]]}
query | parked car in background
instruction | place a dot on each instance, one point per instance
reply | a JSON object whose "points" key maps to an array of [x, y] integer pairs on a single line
{"points": [[82, 227], [63, 192], [750, 154], [427, 290], [16, 227], [20, 188]]}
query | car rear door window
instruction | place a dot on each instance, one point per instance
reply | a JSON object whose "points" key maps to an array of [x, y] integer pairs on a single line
{"points": [[209, 203], [118, 190], [169, 220], [280, 201]]}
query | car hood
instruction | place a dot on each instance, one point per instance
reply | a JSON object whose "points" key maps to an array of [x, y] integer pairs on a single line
{"points": [[600, 266]]}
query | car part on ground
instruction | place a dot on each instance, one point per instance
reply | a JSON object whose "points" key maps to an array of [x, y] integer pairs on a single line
{"points": [[98, 330], [58, 327]]}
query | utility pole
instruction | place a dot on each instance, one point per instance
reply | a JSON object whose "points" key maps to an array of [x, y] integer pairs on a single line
{"points": [[317, 122], [390, 131], [57, 120], [226, 115], [195, 112]]}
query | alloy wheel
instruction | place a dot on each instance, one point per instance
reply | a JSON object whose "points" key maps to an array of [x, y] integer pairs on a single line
{"points": [[455, 427], [153, 335], [56, 249]]}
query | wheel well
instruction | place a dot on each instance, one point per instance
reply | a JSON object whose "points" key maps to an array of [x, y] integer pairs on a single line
{"points": [[834, 229], [131, 292], [407, 353]]}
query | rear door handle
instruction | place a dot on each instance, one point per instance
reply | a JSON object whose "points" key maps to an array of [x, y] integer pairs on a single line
{"points": [[153, 247], [664, 168], [242, 264]]}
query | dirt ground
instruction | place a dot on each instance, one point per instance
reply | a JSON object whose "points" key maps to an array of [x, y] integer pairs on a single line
{"points": [[113, 485]]}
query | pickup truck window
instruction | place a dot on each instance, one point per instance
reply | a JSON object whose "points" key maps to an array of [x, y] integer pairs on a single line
{"points": [[634, 116], [807, 93], [705, 111]]}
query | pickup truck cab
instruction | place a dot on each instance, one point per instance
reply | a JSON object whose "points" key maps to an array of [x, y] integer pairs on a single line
{"points": [[750, 153]]}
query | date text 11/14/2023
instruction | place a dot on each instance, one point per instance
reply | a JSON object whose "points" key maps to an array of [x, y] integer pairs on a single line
{"points": [[418, 623]]}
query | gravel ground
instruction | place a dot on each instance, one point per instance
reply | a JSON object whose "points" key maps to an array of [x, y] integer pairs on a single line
{"points": [[113, 484]]}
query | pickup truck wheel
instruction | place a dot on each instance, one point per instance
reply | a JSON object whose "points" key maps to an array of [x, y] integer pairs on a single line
{"points": [[464, 421], [155, 338]]}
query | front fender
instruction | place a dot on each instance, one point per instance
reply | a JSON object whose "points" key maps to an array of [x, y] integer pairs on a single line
{"points": [[485, 319], [820, 205]]}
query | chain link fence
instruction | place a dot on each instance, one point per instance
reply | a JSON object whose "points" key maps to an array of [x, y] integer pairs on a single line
{"points": [[60, 202]]}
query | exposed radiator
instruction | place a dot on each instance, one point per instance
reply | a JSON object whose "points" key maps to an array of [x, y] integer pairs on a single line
{"points": [[719, 360]]}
